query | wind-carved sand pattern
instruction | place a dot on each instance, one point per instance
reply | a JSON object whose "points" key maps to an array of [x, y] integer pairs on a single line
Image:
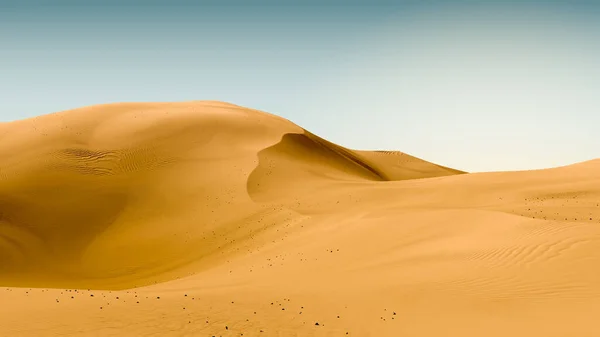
{"points": [[209, 219]]}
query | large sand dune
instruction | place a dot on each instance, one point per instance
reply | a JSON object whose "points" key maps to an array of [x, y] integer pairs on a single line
{"points": [[206, 218]]}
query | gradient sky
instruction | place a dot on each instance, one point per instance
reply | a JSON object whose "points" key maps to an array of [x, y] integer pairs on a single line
{"points": [[475, 85]]}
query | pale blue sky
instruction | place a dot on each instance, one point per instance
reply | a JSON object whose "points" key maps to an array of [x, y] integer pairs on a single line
{"points": [[475, 85]]}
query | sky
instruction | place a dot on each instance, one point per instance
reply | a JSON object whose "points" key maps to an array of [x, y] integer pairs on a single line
{"points": [[474, 85]]}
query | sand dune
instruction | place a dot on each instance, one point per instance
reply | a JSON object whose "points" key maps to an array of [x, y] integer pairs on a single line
{"points": [[206, 218]]}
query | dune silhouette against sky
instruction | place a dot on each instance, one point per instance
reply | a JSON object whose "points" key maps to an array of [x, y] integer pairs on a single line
{"points": [[407, 168], [460, 83]]}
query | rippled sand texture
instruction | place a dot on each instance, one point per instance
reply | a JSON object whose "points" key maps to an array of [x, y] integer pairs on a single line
{"points": [[206, 218]]}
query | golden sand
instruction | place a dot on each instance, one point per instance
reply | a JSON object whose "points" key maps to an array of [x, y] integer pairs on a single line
{"points": [[206, 218]]}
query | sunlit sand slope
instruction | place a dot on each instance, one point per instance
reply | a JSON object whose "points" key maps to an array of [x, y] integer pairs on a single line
{"points": [[205, 218], [121, 194]]}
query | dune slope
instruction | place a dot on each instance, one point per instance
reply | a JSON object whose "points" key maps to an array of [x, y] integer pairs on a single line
{"points": [[113, 195], [206, 218]]}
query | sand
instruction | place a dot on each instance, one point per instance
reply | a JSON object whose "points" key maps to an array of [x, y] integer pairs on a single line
{"points": [[208, 219]]}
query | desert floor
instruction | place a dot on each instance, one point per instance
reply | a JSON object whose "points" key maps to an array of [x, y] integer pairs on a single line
{"points": [[209, 219]]}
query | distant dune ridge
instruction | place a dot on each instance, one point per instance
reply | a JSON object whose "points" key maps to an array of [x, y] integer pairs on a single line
{"points": [[241, 208]]}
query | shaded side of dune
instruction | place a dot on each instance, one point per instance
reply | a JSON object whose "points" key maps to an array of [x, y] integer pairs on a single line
{"points": [[302, 159], [396, 165]]}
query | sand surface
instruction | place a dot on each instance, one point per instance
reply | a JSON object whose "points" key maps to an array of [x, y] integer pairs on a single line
{"points": [[210, 219]]}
